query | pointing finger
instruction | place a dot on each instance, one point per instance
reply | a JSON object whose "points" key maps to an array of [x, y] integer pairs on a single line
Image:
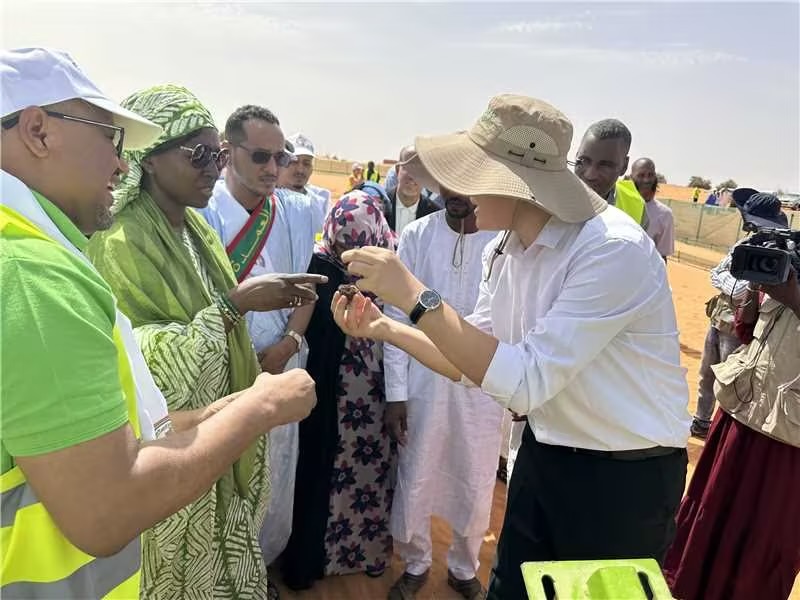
{"points": [[299, 278]]}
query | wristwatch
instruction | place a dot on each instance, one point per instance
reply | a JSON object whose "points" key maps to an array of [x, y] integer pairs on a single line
{"points": [[426, 301], [296, 337]]}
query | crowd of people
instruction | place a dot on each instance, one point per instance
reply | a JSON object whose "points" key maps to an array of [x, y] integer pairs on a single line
{"points": [[213, 370]]}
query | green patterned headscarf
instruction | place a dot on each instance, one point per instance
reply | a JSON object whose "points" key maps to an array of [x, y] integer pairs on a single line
{"points": [[149, 268], [179, 113]]}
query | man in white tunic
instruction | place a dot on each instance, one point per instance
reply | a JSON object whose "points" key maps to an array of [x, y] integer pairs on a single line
{"points": [[295, 177], [449, 435], [249, 185]]}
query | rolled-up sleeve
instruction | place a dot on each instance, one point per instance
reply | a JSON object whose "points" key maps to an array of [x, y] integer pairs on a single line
{"points": [[604, 290], [726, 283]]}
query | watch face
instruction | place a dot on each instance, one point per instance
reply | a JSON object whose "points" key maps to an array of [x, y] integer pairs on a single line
{"points": [[430, 299]]}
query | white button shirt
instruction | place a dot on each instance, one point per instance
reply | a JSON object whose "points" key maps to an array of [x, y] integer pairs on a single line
{"points": [[588, 336], [405, 215]]}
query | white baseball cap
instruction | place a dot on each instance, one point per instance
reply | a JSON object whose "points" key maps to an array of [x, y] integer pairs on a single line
{"points": [[302, 145], [41, 76]]}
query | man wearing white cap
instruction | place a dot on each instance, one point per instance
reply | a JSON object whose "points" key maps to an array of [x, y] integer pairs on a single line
{"points": [[574, 327], [295, 177], [89, 457]]}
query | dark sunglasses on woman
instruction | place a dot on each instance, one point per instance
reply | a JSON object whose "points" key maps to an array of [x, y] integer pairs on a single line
{"points": [[201, 155], [262, 157]]}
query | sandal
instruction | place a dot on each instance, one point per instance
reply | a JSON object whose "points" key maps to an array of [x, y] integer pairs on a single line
{"points": [[471, 589], [407, 586]]}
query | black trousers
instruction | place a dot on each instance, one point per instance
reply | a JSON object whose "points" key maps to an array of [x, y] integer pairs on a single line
{"points": [[565, 505]]}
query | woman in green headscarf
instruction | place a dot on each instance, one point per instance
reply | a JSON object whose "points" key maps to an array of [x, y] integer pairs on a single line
{"points": [[173, 279]]}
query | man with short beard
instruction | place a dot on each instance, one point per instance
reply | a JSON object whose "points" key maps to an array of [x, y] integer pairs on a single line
{"points": [[449, 435], [89, 456], [661, 227], [602, 158]]}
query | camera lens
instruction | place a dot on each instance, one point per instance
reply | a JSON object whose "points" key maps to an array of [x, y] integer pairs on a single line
{"points": [[766, 264]]}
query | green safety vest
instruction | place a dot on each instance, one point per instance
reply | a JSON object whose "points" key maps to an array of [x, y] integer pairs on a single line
{"points": [[38, 561], [630, 201]]}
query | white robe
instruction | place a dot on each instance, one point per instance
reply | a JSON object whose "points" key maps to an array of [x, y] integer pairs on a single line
{"points": [[287, 250], [321, 205], [449, 466]]}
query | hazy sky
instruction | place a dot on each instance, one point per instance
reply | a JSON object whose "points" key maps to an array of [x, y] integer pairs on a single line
{"points": [[710, 89]]}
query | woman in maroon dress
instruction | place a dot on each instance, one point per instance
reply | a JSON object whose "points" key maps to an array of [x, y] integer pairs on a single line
{"points": [[738, 534]]}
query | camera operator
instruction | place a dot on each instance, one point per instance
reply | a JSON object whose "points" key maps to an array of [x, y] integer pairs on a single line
{"points": [[721, 338], [738, 531]]}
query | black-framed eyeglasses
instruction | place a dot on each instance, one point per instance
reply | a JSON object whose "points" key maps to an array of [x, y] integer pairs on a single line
{"points": [[262, 157], [201, 155], [119, 132]]}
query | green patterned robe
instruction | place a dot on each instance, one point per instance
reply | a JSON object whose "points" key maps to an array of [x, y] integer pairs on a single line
{"points": [[166, 283], [210, 548]]}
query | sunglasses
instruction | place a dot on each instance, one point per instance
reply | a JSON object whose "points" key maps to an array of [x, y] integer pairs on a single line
{"points": [[201, 156], [118, 138], [262, 157]]}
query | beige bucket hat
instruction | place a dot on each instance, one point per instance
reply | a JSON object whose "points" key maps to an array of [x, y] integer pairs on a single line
{"points": [[517, 149]]}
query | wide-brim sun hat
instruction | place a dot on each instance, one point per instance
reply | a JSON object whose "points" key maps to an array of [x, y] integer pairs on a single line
{"points": [[742, 195], [764, 211], [517, 149]]}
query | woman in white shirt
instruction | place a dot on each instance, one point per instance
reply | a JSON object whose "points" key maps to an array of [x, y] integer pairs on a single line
{"points": [[574, 327]]}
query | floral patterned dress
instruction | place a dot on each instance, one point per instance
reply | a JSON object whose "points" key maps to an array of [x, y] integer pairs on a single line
{"points": [[357, 537], [347, 462]]}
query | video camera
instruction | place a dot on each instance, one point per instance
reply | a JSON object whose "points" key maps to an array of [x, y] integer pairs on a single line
{"points": [[767, 255]]}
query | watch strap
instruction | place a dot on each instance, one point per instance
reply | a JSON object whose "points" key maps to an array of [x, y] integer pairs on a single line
{"points": [[296, 337], [416, 313]]}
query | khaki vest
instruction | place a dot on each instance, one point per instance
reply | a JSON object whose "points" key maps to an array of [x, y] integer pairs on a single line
{"points": [[721, 313], [759, 384]]}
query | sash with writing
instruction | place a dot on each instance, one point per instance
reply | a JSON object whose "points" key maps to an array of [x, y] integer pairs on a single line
{"points": [[245, 248]]}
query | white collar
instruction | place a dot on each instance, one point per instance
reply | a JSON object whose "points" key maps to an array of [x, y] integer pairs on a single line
{"points": [[548, 237], [402, 206], [18, 196]]}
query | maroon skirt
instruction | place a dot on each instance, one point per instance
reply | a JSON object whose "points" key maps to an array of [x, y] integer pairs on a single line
{"points": [[738, 528]]}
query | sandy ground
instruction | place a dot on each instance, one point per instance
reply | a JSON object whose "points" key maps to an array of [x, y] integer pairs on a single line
{"points": [[691, 289], [335, 182]]}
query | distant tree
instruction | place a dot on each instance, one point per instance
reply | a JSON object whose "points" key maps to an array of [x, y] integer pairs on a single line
{"points": [[699, 182], [728, 184], [660, 178]]}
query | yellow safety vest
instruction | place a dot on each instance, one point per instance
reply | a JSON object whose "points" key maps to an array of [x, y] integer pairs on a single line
{"points": [[38, 561], [376, 177], [630, 201]]}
